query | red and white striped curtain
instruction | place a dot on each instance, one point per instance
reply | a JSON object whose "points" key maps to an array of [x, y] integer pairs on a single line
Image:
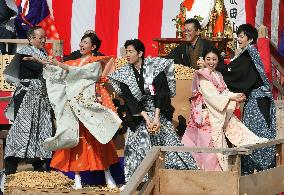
{"points": [[115, 21], [118, 20]]}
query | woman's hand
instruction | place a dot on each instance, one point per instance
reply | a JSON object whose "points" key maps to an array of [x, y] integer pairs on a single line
{"points": [[200, 63], [52, 60], [240, 97], [262, 31]]}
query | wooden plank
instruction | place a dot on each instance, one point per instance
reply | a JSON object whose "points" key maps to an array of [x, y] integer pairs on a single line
{"points": [[25, 41], [235, 163], [3, 134], [177, 182], [1, 154], [277, 65], [279, 118], [148, 187], [5, 99], [56, 192], [266, 182], [181, 102], [141, 171], [278, 86], [265, 144], [159, 164], [279, 154], [57, 45], [228, 151]]}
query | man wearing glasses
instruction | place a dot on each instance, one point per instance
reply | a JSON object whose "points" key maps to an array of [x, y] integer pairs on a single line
{"points": [[188, 53], [29, 108]]}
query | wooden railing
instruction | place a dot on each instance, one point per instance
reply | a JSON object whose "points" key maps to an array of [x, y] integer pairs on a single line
{"points": [[57, 45], [277, 62], [153, 165]]}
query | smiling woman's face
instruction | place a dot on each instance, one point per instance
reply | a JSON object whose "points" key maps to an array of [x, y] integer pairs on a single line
{"points": [[211, 61]]}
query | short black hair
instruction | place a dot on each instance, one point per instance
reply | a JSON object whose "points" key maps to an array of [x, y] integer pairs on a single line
{"points": [[31, 31], [94, 40], [137, 44], [249, 31], [194, 21], [212, 50]]}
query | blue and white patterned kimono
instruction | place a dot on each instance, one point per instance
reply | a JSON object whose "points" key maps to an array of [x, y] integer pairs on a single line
{"points": [[245, 74]]}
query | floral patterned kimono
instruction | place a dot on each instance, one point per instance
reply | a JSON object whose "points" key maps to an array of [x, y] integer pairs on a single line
{"points": [[212, 120], [85, 116]]}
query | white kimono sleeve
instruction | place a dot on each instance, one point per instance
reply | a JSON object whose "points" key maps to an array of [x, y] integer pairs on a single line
{"points": [[78, 103]]}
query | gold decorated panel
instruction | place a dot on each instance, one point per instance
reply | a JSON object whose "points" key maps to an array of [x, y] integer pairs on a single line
{"points": [[169, 47], [4, 62], [181, 72]]}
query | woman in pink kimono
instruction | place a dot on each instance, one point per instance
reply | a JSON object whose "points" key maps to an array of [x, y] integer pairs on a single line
{"points": [[212, 119]]}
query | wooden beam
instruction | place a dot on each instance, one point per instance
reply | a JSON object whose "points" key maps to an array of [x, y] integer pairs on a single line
{"points": [[1, 155], [5, 99], [279, 154], [265, 144], [148, 187], [19, 191], [3, 134], [25, 41], [141, 171], [278, 86], [227, 151], [270, 181], [235, 164], [177, 182]]}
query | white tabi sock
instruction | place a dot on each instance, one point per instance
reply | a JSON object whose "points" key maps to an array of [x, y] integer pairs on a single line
{"points": [[78, 184], [109, 180]]}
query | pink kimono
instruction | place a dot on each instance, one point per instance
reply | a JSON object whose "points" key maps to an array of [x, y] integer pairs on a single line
{"points": [[212, 119]]}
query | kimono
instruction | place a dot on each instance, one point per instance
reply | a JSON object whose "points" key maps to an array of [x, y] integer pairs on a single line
{"points": [[212, 121], [146, 91], [29, 109], [85, 117], [245, 74], [188, 55]]}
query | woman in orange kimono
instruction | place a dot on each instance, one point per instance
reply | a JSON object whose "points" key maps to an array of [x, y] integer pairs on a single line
{"points": [[91, 149]]}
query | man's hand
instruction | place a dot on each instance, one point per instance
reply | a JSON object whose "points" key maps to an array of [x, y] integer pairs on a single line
{"points": [[36, 59]]}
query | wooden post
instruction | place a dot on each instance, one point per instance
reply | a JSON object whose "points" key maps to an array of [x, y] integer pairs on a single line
{"points": [[140, 173], [279, 154], [3, 135], [1, 154], [57, 48], [159, 164], [235, 163]]}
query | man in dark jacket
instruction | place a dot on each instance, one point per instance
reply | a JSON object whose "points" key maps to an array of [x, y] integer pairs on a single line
{"points": [[188, 53]]}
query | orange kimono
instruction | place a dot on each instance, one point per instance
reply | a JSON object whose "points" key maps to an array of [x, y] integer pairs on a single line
{"points": [[89, 154]]}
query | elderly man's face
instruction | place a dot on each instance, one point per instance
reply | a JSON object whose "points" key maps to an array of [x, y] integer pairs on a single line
{"points": [[39, 38], [190, 33]]}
